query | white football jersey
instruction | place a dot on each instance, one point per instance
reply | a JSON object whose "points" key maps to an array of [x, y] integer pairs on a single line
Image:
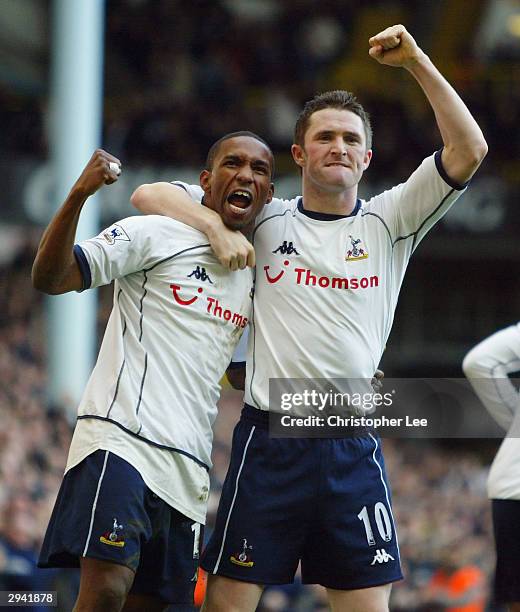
{"points": [[487, 367], [176, 318], [326, 286]]}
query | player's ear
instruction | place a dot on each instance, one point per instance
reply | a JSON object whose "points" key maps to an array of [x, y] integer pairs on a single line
{"points": [[270, 193], [298, 154], [205, 180], [367, 158]]}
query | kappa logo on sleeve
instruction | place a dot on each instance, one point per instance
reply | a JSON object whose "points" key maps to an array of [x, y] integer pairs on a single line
{"points": [[115, 232]]}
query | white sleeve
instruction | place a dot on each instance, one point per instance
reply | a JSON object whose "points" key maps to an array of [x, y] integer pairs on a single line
{"points": [[130, 245], [487, 366], [194, 191], [410, 209]]}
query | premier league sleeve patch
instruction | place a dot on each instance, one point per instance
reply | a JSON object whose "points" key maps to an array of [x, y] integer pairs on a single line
{"points": [[115, 232]]}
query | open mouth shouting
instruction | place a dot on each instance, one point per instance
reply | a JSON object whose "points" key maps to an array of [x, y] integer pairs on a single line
{"points": [[240, 201]]}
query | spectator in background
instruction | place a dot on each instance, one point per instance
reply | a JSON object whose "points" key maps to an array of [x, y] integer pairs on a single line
{"points": [[455, 586]]}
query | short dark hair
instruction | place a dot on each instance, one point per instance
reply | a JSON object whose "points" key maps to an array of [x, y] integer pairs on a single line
{"points": [[340, 99], [212, 153]]}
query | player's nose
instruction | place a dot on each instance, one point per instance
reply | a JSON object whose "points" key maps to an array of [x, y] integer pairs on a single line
{"points": [[339, 147], [245, 174]]}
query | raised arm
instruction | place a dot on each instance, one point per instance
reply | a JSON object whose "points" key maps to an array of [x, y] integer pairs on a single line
{"points": [[464, 143], [232, 248], [55, 269]]}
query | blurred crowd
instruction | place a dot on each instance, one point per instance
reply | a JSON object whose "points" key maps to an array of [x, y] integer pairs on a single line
{"points": [[439, 491], [34, 435], [256, 63]]}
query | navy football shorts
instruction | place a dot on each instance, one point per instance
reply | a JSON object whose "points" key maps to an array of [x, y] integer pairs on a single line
{"points": [[506, 525], [324, 502], [104, 510]]}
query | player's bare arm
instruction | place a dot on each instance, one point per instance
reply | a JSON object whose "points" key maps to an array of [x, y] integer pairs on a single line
{"points": [[232, 248], [55, 269], [464, 143]]}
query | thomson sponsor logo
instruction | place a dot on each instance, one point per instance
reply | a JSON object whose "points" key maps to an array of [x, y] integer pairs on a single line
{"points": [[306, 277], [213, 306]]}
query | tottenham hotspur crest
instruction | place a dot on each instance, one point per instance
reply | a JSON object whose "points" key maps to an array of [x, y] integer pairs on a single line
{"points": [[243, 558], [356, 250], [113, 538]]}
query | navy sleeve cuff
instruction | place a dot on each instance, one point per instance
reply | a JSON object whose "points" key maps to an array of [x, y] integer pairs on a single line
{"points": [[235, 365], [444, 174], [84, 268]]}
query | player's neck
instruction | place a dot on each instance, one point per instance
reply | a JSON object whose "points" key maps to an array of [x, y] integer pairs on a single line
{"points": [[318, 200]]}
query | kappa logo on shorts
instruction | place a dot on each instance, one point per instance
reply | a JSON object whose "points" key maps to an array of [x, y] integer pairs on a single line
{"points": [[115, 232], [112, 538], [382, 556], [243, 558], [357, 251]]}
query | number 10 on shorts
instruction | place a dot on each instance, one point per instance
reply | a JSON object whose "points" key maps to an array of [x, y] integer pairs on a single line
{"points": [[383, 522]]}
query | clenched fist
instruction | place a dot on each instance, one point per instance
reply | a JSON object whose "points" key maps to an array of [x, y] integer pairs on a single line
{"points": [[102, 169], [395, 46]]}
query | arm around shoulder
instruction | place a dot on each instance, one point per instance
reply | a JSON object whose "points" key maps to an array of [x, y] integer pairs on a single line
{"points": [[173, 201], [232, 248]]}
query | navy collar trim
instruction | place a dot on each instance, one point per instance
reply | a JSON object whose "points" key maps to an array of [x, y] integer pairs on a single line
{"points": [[327, 216]]}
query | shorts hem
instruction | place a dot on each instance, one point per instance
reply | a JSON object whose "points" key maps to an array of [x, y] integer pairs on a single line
{"points": [[72, 561], [353, 587], [226, 574]]}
